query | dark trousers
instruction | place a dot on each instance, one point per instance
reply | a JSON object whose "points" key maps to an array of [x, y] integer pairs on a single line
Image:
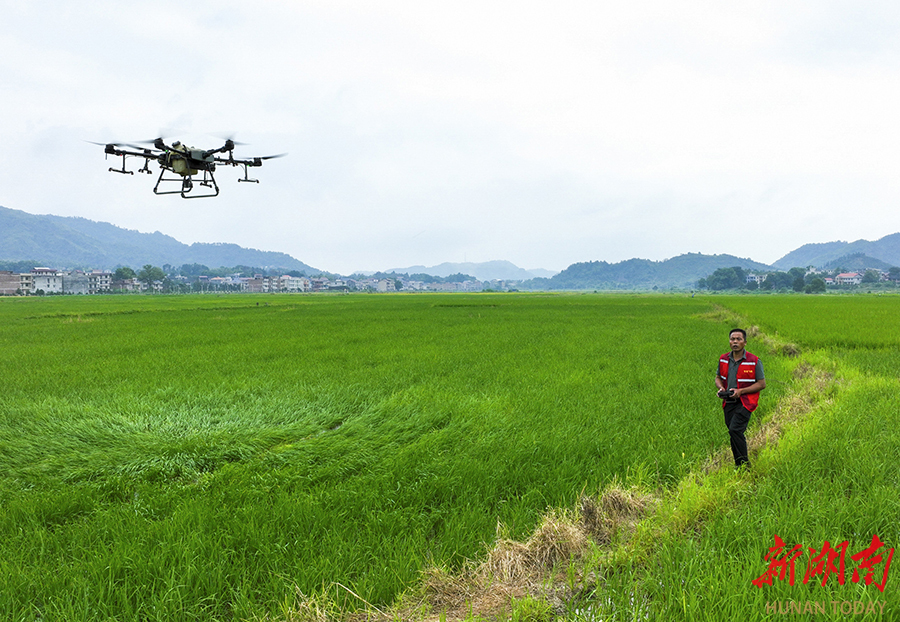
{"points": [[736, 418]]}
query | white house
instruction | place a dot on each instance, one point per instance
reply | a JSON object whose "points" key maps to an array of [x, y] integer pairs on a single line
{"points": [[848, 278], [48, 280]]}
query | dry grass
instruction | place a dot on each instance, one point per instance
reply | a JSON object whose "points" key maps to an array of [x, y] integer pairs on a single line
{"points": [[615, 511], [534, 568]]}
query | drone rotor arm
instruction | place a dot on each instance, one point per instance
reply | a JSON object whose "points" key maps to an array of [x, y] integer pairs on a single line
{"points": [[257, 161]]}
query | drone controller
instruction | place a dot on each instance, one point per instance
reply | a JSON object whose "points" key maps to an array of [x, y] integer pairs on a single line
{"points": [[726, 394]]}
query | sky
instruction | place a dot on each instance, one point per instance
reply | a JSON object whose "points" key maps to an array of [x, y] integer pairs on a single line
{"points": [[418, 133]]}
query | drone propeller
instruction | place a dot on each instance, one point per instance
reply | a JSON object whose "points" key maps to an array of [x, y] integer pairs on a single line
{"points": [[228, 137], [158, 143], [129, 145]]}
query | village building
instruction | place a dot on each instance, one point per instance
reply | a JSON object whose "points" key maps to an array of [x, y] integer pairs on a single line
{"points": [[287, 283], [848, 278], [75, 282], [10, 283], [99, 282], [756, 278], [386, 285], [46, 280]]}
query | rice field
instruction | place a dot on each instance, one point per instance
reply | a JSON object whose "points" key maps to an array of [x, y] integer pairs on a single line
{"points": [[838, 323], [209, 457], [830, 479]]}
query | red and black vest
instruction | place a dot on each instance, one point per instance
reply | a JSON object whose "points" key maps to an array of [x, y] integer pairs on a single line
{"points": [[746, 375]]}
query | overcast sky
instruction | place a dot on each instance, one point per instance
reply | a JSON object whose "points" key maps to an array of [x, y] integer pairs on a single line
{"points": [[423, 132]]}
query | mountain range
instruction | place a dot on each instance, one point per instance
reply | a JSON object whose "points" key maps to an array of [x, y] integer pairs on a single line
{"points": [[485, 271], [72, 242], [682, 271], [887, 250]]}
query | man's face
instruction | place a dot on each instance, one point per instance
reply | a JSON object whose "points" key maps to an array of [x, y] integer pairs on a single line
{"points": [[737, 341]]}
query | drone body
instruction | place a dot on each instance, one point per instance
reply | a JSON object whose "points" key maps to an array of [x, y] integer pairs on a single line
{"points": [[184, 162]]}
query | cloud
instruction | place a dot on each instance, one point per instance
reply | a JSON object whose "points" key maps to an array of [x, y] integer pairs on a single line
{"points": [[418, 133]]}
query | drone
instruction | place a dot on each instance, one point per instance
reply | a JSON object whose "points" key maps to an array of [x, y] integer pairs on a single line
{"points": [[179, 164]]}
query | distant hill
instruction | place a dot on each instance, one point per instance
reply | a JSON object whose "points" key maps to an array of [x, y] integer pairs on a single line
{"points": [[680, 272], [71, 242], [67, 242], [856, 262], [887, 249], [485, 271]]}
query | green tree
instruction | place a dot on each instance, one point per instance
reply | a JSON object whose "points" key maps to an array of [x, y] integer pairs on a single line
{"points": [[797, 272], [123, 274], [193, 269], [816, 286], [799, 283], [459, 277], [778, 280], [727, 278], [871, 276], [148, 274]]}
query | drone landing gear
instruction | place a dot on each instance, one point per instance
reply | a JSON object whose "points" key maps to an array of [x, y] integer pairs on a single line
{"points": [[122, 170], [255, 181], [187, 185], [146, 167]]}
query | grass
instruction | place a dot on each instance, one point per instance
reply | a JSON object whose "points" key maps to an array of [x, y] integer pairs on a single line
{"points": [[826, 474], [300, 457], [210, 456], [828, 481], [835, 323]]}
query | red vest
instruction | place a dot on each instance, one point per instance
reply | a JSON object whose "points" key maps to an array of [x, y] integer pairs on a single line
{"points": [[746, 375]]}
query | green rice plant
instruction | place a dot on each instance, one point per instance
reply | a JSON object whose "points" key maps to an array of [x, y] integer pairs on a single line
{"points": [[530, 609], [829, 479], [829, 322], [205, 457], [826, 483]]}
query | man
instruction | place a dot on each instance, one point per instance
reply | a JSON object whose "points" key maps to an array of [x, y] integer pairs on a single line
{"points": [[739, 379]]}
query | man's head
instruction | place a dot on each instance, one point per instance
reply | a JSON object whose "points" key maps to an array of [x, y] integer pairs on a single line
{"points": [[738, 339]]}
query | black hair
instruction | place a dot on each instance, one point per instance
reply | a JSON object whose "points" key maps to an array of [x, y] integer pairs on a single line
{"points": [[738, 330]]}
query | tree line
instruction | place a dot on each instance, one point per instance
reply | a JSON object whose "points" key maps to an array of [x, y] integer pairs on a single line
{"points": [[796, 279]]}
